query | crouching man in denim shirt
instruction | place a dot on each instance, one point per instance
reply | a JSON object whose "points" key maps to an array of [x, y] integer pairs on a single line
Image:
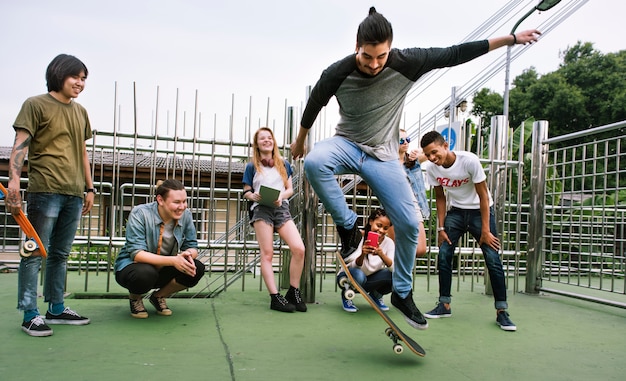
{"points": [[160, 251]]}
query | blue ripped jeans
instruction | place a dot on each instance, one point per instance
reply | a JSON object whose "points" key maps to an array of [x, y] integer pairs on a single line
{"points": [[55, 217], [337, 156]]}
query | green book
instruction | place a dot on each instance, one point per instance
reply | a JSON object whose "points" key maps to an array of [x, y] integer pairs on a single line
{"points": [[268, 195]]}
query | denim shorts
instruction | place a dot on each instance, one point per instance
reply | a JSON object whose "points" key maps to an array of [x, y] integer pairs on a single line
{"points": [[276, 217]]}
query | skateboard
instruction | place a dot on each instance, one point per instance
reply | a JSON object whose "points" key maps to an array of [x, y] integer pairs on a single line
{"points": [[32, 242], [392, 331]]}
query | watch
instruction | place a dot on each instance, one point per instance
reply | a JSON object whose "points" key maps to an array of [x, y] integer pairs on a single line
{"points": [[90, 190], [441, 229]]}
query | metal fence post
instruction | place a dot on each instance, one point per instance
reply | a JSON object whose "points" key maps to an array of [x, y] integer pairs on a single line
{"points": [[309, 221], [536, 220]]}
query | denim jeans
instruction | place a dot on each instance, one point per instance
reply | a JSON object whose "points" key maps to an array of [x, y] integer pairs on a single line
{"points": [[378, 283], [55, 217], [337, 156], [140, 278], [458, 222]]}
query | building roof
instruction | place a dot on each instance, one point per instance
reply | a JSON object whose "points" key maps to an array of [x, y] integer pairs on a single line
{"points": [[140, 160]]}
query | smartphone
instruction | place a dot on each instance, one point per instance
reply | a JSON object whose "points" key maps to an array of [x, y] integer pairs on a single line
{"points": [[372, 237]]}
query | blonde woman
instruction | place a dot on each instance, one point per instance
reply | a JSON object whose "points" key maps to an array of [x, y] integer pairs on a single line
{"points": [[268, 168]]}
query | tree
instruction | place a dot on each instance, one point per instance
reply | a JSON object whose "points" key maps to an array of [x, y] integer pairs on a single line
{"points": [[487, 104]]}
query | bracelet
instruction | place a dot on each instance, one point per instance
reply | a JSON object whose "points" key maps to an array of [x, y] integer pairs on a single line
{"points": [[246, 191], [441, 229], [514, 38]]}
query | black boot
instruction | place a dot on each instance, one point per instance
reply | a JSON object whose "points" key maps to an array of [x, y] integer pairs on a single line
{"points": [[294, 297]]}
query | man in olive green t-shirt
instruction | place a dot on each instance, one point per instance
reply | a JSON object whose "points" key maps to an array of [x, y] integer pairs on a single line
{"points": [[50, 133]]}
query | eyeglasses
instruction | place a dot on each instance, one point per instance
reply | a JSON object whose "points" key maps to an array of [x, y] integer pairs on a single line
{"points": [[403, 140]]}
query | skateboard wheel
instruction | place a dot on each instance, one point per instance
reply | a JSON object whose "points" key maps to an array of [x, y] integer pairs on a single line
{"points": [[349, 294], [398, 349], [30, 245], [25, 254], [389, 332], [343, 281]]}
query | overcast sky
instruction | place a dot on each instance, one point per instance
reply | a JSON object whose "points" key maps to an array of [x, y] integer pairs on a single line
{"points": [[247, 50]]}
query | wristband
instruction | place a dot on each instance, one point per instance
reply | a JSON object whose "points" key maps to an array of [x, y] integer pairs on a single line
{"points": [[246, 191], [514, 38], [90, 190]]}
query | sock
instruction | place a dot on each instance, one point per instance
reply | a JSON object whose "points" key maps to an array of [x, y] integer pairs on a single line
{"points": [[30, 314], [56, 308]]}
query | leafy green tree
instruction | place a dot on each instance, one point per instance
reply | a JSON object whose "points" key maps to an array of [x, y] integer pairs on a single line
{"points": [[487, 104]]}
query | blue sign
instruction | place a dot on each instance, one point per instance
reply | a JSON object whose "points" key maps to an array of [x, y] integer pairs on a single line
{"points": [[450, 135]]}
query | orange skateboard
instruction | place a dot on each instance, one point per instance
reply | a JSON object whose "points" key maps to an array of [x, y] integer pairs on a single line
{"points": [[32, 243], [393, 332]]}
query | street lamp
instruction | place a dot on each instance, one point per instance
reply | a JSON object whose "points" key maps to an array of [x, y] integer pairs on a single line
{"points": [[543, 5]]}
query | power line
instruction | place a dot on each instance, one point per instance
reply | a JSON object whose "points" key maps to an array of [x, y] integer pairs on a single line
{"points": [[500, 19]]}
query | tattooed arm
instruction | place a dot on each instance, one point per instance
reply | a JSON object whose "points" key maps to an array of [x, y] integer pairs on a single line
{"points": [[16, 163]]}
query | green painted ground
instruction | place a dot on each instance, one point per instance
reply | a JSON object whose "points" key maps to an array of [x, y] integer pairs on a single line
{"points": [[236, 337]]}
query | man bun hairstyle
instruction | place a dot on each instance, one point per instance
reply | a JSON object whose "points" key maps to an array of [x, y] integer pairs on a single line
{"points": [[375, 29]]}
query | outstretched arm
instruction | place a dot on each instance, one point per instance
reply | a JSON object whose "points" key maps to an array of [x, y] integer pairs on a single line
{"points": [[525, 37]]}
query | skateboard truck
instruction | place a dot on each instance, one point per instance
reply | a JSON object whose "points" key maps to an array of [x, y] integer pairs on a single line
{"points": [[349, 293], [397, 347], [29, 246]]}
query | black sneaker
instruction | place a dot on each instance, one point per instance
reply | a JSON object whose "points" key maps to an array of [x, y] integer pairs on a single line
{"points": [[505, 322], [279, 303], [137, 309], [350, 239], [439, 311], [66, 317], [411, 313], [160, 305], [294, 297], [36, 327]]}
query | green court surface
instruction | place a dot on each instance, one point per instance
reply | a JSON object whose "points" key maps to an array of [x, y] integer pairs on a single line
{"points": [[235, 336]]}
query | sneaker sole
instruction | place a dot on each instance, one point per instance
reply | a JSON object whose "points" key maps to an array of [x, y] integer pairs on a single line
{"points": [[350, 310], [37, 333], [164, 313], [67, 322], [140, 315], [507, 328], [415, 324], [437, 316]]}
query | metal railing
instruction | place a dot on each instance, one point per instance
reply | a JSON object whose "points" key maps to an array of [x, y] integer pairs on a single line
{"points": [[581, 242], [580, 234]]}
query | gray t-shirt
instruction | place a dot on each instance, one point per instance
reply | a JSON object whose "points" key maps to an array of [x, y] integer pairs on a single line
{"points": [[370, 107]]}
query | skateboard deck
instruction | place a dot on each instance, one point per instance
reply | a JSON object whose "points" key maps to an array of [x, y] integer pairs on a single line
{"points": [[32, 244], [393, 331]]}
